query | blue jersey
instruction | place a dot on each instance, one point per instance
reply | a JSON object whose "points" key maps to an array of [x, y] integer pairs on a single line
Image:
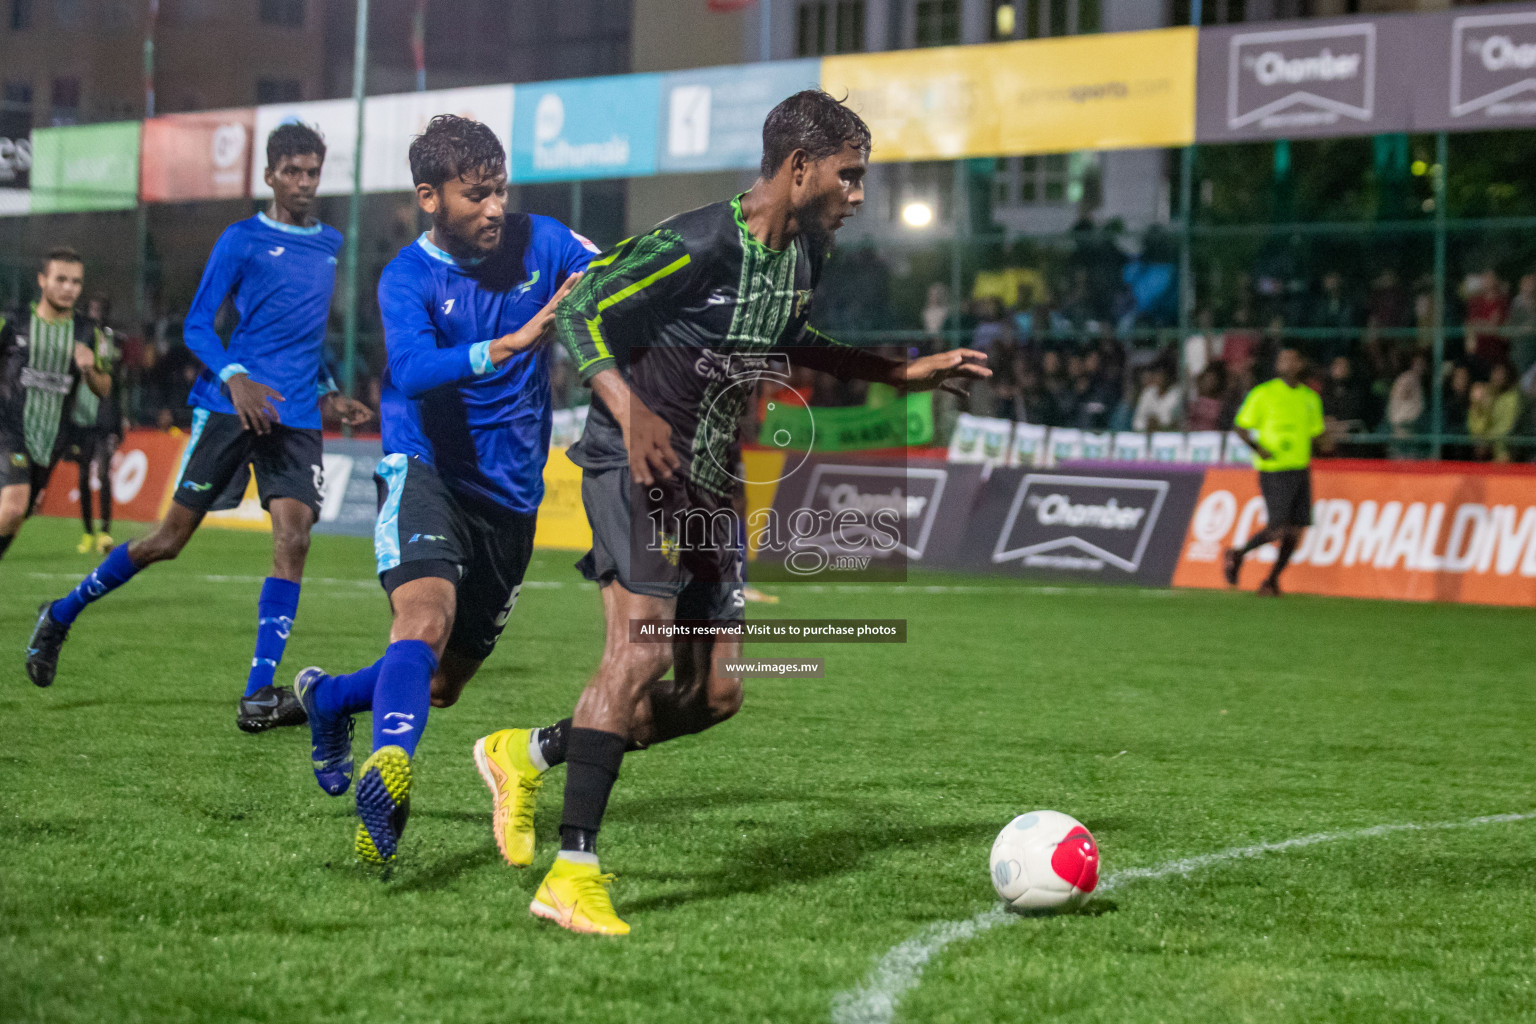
{"points": [[282, 278], [485, 429]]}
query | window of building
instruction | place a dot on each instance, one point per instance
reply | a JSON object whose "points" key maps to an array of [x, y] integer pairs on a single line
{"points": [[66, 100], [279, 90], [18, 96], [287, 13], [21, 15], [829, 26], [1052, 179], [1037, 19], [1215, 12], [937, 22]]}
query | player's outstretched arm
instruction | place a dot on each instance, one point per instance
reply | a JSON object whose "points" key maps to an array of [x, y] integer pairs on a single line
{"points": [[946, 370], [535, 330]]}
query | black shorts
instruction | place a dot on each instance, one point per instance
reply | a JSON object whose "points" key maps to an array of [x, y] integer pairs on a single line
{"points": [[17, 467], [680, 543], [425, 530], [216, 467], [1287, 496]]}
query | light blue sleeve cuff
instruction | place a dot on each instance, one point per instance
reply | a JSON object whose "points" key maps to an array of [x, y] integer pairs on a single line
{"points": [[480, 358], [230, 370], [326, 384]]}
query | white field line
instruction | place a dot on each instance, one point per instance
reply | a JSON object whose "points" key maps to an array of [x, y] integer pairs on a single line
{"points": [[900, 969], [811, 588]]}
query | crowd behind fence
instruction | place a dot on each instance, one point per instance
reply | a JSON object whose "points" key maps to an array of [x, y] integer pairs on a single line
{"points": [[1083, 330]]}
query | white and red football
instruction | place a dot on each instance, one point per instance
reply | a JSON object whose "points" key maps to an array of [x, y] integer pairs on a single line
{"points": [[1044, 860]]}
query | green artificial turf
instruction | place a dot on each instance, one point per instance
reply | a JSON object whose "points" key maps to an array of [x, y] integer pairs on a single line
{"points": [[158, 865]]}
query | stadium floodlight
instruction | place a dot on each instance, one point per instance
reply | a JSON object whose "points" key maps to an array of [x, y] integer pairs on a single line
{"points": [[917, 214]]}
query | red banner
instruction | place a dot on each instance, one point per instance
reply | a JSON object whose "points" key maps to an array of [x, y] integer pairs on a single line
{"points": [[1432, 532], [142, 473], [206, 155]]}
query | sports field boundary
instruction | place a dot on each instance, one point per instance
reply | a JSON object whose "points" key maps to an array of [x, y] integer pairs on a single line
{"points": [[901, 969]]}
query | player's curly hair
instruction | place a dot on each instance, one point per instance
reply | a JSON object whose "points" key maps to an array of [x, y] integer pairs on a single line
{"points": [[814, 121], [452, 147], [293, 138]]}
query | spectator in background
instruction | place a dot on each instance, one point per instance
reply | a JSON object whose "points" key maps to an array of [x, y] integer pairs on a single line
{"points": [[1389, 307], [1520, 325], [1487, 302], [1202, 348], [1334, 312], [936, 314], [1344, 398], [1494, 409], [1456, 403], [1053, 378], [1207, 410], [1032, 403], [1407, 405], [1160, 404], [1094, 395]]}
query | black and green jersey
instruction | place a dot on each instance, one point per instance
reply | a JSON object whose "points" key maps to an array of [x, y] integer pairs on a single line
{"points": [[38, 380], [100, 413], [689, 313]]}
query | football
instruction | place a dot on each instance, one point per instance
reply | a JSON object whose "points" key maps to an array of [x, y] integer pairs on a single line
{"points": [[1044, 860]]}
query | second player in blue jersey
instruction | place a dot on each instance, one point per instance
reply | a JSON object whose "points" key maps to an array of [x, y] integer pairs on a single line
{"points": [[466, 416], [256, 408]]}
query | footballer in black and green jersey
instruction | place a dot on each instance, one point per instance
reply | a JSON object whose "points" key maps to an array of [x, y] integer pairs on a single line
{"points": [[46, 354], [670, 330]]}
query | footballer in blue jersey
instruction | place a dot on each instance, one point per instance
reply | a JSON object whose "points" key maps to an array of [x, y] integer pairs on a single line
{"points": [[257, 406], [466, 419]]}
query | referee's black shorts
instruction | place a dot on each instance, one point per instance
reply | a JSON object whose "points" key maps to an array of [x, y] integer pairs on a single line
{"points": [[1287, 496]]}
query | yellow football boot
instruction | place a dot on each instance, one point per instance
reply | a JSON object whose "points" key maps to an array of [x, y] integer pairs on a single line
{"points": [[105, 543], [514, 781], [383, 805], [86, 546], [575, 897]]}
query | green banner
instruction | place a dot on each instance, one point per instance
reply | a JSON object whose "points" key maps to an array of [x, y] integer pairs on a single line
{"points": [[85, 167], [880, 423]]}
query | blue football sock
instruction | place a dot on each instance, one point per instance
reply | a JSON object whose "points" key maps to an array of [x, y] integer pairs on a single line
{"points": [[351, 693], [275, 611], [116, 570], [403, 694]]}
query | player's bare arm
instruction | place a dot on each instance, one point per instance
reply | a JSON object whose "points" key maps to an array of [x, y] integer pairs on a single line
{"points": [[253, 403], [99, 381], [347, 409], [1252, 441], [647, 437]]}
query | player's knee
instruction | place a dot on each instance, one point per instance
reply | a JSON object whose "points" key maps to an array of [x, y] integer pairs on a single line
{"points": [[444, 693], [725, 697], [292, 542]]}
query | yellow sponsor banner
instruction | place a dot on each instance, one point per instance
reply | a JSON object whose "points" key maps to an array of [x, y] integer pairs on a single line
{"points": [[763, 470], [1124, 90], [562, 519], [248, 515]]}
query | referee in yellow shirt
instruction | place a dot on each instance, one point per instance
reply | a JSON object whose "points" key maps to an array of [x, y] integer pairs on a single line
{"points": [[1279, 419]]}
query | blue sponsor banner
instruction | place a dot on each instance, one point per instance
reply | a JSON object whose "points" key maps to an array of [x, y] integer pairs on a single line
{"points": [[585, 128], [712, 118]]}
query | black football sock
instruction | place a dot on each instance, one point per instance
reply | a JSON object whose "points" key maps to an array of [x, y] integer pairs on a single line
{"points": [[5, 542], [1258, 540], [85, 496], [1287, 549], [551, 741], [592, 760], [104, 496]]}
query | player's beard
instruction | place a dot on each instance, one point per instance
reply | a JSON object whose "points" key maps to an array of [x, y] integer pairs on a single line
{"points": [[812, 220]]}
